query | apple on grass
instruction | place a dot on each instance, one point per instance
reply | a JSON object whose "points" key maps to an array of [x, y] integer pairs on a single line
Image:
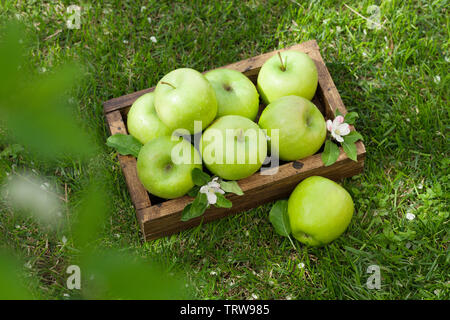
{"points": [[319, 211], [288, 73], [160, 170], [301, 127], [235, 93], [143, 122], [233, 147], [183, 96]]}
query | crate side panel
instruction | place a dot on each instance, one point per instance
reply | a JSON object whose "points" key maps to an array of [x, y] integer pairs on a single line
{"points": [[171, 223], [257, 185], [330, 95], [139, 195]]}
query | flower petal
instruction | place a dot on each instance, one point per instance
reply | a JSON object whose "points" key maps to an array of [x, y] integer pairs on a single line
{"points": [[334, 135], [343, 129], [212, 198], [339, 119], [204, 189], [213, 185], [329, 125]]}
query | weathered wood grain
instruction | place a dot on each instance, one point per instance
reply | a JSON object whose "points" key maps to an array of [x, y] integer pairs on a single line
{"points": [[328, 92], [163, 218], [139, 195]]}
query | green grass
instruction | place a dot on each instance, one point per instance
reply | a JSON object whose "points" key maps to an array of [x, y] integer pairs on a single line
{"points": [[396, 77]]}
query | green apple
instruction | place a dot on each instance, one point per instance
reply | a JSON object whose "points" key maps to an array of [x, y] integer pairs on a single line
{"points": [[235, 93], [233, 147], [162, 169], [319, 211], [143, 122], [301, 127], [288, 73], [183, 96]]}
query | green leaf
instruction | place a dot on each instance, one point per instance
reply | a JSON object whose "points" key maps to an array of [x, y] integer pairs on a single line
{"points": [[279, 218], [199, 177], [186, 214], [352, 137], [196, 208], [338, 113], [231, 186], [125, 144], [330, 153], [222, 202], [350, 117], [193, 192], [350, 150]]}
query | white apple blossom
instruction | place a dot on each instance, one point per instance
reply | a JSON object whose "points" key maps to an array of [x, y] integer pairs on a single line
{"points": [[338, 128], [211, 189], [410, 216]]}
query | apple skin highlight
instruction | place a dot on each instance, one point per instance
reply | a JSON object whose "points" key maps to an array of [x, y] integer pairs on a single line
{"points": [[221, 151], [296, 76], [301, 127], [319, 210], [143, 122], [184, 96], [158, 172], [235, 93]]}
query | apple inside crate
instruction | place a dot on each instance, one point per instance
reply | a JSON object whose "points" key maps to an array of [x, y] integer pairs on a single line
{"points": [[159, 217]]}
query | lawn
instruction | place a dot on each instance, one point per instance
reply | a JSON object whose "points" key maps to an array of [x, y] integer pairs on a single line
{"points": [[390, 64]]}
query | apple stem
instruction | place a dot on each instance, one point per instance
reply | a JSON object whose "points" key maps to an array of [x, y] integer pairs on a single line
{"points": [[163, 82], [283, 67], [292, 242]]}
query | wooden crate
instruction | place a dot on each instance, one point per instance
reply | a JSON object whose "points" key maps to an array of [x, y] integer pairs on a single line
{"points": [[158, 217]]}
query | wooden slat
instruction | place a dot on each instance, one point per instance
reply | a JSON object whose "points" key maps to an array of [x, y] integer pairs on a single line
{"points": [[124, 101], [250, 67], [139, 195], [260, 183], [329, 92], [165, 219]]}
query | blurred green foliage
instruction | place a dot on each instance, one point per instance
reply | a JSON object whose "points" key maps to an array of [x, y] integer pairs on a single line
{"points": [[12, 285], [36, 116], [35, 109]]}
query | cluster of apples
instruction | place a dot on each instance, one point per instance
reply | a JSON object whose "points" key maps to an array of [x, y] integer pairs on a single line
{"points": [[224, 101]]}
